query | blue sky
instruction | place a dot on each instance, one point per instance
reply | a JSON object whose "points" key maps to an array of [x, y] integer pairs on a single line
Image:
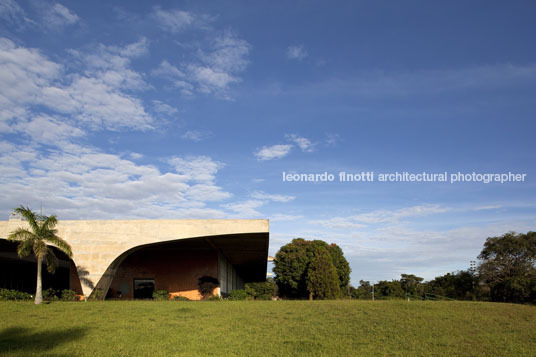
{"points": [[145, 110]]}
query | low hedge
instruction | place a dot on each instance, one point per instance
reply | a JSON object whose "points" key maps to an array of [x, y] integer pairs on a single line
{"points": [[8, 294]]}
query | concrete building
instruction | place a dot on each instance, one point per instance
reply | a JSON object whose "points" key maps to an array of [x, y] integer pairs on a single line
{"points": [[128, 259]]}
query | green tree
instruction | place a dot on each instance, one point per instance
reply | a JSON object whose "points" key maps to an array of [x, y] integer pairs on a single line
{"points": [[262, 290], [461, 285], [34, 240], [363, 291], [322, 278], [508, 267], [411, 284], [292, 262], [290, 266], [389, 290], [342, 266]]}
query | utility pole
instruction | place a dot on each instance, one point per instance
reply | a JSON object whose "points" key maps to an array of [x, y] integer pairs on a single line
{"points": [[372, 291]]}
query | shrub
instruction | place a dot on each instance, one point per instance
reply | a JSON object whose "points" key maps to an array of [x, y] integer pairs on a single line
{"points": [[6, 294], [50, 295], [180, 298], [237, 295], [214, 298], [69, 295], [261, 291], [161, 295], [96, 294], [207, 284]]}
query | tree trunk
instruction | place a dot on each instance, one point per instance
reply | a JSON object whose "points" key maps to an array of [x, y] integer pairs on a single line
{"points": [[310, 296], [39, 287]]}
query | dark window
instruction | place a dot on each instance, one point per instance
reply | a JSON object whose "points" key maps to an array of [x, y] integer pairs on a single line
{"points": [[143, 288]]}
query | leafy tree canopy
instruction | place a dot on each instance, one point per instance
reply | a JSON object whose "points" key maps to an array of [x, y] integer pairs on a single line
{"points": [[508, 267], [322, 279], [292, 262]]}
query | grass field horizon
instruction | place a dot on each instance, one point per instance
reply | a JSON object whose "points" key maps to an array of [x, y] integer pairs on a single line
{"points": [[267, 328]]}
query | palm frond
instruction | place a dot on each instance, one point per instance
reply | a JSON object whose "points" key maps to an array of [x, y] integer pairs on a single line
{"points": [[25, 248], [20, 234], [35, 239], [50, 222], [61, 244], [51, 260], [30, 216], [46, 226]]}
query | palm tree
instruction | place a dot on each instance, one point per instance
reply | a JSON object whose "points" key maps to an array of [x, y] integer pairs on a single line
{"points": [[35, 239]]}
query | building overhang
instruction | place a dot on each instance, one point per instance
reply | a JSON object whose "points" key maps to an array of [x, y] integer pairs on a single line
{"points": [[99, 245]]}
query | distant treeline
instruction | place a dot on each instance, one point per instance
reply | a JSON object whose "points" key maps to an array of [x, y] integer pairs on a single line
{"points": [[506, 273]]}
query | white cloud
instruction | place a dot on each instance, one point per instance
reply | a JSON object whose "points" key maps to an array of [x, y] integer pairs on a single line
{"points": [[164, 108], [47, 130], [392, 245], [303, 143], [260, 195], [227, 53], [379, 84], [249, 208], [86, 183], [98, 104], [195, 135], [201, 168], [111, 64], [166, 69], [173, 20], [11, 12], [176, 76], [117, 55], [207, 193], [487, 207], [338, 223], [332, 139], [96, 99], [246, 209], [213, 70], [135, 155], [278, 217], [394, 216], [208, 79], [427, 253], [273, 152], [200, 213], [296, 52], [23, 74], [58, 15], [380, 217], [280, 151]]}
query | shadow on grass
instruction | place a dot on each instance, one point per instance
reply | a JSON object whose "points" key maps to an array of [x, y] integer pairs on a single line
{"points": [[22, 339]]}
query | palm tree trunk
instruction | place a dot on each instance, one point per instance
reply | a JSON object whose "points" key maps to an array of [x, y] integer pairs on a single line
{"points": [[39, 288]]}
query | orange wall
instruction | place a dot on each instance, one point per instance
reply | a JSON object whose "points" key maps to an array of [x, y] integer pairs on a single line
{"points": [[172, 270]]}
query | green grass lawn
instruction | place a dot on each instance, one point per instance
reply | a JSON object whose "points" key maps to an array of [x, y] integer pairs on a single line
{"points": [[267, 328]]}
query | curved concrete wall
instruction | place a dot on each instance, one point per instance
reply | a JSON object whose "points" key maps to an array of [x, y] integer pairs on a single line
{"points": [[96, 244]]}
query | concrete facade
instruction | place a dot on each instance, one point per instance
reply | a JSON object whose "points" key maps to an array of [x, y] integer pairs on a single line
{"points": [[235, 251]]}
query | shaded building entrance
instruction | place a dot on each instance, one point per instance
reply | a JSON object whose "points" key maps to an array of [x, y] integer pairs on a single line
{"points": [[21, 273], [176, 266]]}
